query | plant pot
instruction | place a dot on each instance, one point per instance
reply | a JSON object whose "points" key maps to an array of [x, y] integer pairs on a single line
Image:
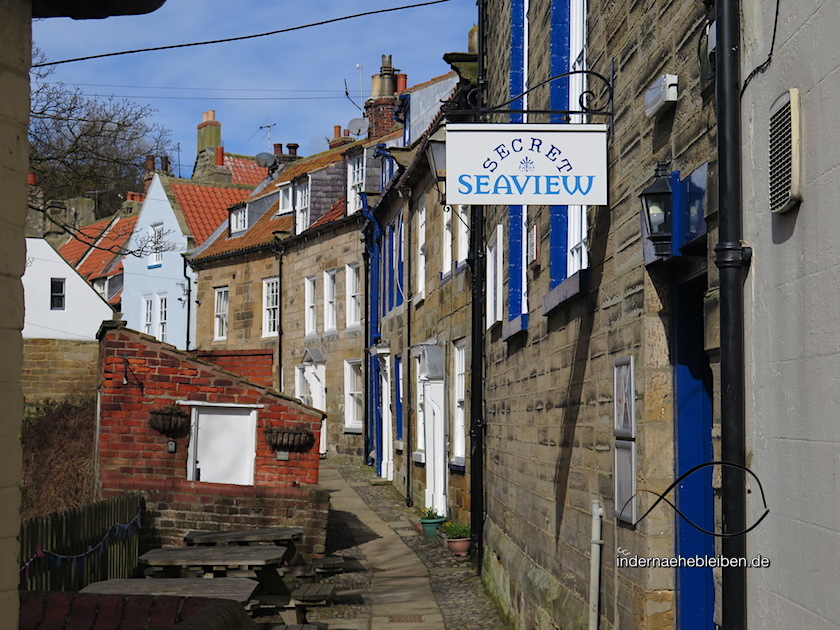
{"points": [[430, 526], [459, 546]]}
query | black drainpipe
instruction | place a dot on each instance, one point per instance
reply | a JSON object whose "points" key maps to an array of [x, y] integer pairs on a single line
{"points": [[731, 260], [477, 426], [279, 249], [189, 300], [365, 432]]}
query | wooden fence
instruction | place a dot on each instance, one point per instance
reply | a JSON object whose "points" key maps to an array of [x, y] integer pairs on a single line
{"points": [[66, 551]]}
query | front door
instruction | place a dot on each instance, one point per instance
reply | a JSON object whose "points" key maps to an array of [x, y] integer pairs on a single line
{"points": [[435, 427], [693, 396], [222, 445]]}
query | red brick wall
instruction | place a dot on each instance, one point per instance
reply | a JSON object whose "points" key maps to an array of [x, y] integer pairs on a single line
{"points": [[139, 374], [256, 366], [177, 506]]}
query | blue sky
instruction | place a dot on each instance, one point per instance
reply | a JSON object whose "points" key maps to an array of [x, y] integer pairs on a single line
{"points": [[293, 80]]}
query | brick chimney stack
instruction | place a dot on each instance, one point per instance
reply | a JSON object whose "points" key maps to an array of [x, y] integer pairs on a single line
{"points": [[340, 139], [285, 158], [209, 131], [379, 108]]}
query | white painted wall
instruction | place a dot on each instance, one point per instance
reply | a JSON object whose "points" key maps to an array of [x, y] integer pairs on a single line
{"points": [[142, 279], [84, 310], [793, 327]]}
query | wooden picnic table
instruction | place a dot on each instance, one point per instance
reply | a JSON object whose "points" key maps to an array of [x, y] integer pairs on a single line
{"points": [[264, 561], [285, 536], [241, 590]]}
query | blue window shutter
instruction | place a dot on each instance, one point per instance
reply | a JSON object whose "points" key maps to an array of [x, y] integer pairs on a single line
{"points": [[515, 242], [560, 63]]}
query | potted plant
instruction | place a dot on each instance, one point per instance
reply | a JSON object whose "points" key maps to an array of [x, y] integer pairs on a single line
{"points": [[430, 520], [457, 537], [173, 421]]}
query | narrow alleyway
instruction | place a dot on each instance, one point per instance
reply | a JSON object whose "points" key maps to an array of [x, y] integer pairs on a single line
{"points": [[394, 577]]}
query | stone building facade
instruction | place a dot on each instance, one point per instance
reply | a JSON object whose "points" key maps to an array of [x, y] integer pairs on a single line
{"points": [[581, 310]]}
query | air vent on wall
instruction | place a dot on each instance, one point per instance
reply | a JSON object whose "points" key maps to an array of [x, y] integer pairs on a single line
{"points": [[785, 152]]}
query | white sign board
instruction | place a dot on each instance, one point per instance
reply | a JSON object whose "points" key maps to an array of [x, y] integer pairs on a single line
{"points": [[526, 164]]}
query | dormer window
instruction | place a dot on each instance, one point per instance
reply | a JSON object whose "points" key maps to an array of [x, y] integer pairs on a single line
{"points": [[355, 182], [285, 200], [238, 220], [302, 205]]}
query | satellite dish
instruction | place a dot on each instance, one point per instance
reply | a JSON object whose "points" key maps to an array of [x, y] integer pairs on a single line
{"points": [[266, 160], [358, 126]]}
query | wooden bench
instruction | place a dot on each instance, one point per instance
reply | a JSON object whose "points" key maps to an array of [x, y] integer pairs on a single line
{"points": [[240, 590], [330, 565], [309, 595]]}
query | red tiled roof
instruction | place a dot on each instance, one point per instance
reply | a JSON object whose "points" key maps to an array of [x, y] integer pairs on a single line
{"points": [[108, 249], [76, 248], [244, 169], [333, 214], [116, 299], [260, 234], [205, 207], [317, 161]]}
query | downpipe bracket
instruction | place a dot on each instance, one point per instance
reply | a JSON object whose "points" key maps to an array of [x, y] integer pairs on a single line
{"points": [[732, 254]]}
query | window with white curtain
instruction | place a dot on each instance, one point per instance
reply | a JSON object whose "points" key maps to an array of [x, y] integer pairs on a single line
{"points": [[310, 319], [329, 300], [353, 295], [221, 313], [271, 306]]}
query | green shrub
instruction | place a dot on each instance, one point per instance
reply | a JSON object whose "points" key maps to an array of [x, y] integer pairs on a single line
{"points": [[451, 529]]}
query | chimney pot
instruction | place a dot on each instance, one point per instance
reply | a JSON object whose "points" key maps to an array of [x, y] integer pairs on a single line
{"points": [[211, 114], [32, 179], [346, 133], [292, 147], [402, 82], [220, 156], [164, 163], [150, 163], [278, 148], [336, 131]]}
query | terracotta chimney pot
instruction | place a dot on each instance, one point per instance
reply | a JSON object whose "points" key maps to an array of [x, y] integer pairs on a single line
{"points": [[220, 156]]}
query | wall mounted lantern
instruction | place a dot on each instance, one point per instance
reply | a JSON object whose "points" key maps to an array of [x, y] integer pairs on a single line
{"points": [[436, 155], [657, 202]]}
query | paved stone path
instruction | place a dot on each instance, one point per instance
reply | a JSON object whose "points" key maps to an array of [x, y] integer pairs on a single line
{"points": [[394, 577]]}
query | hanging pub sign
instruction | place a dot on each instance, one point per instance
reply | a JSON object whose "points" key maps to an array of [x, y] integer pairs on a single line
{"points": [[526, 164]]}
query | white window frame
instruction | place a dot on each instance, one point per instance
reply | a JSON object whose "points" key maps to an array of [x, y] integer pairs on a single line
{"points": [[462, 249], [355, 182], [271, 306], [310, 315], [156, 244], [148, 314], [352, 295], [163, 316], [495, 277], [354, 391], [446, 244], [419, 411], [238, 220], [303, 391], [221, 307], [330, 301], [577, 256], [420, 269], [286, 194], [302, 205], [459, 411]]}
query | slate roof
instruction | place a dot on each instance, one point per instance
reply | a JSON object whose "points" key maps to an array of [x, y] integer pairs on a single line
{"points": [[203, 206]]}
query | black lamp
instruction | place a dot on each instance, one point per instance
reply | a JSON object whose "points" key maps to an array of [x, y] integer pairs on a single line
{"points": [[436, 155], [656, 204]]}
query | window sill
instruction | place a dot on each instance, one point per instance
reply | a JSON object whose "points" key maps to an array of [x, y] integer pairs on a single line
{"points": [[458, 466], [355, 326], [461, 266], [155, 266], [353, 430], [419, 457], [445, 277], [269, 335], [332, 332], [515, 326], [399, 446], [571, 287], [418, 299]]}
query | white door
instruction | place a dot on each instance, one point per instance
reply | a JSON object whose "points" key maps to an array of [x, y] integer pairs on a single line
{"points": [[436, 469], [387, 430], [312, 390], [222, 445]]}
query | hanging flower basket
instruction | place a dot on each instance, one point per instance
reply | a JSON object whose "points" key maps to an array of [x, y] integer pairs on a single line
{"points": [[292, 440], [172, 421]]}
